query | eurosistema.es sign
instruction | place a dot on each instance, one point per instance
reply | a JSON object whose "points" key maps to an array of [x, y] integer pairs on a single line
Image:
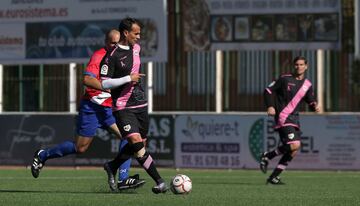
{"points": [[52, 31]]}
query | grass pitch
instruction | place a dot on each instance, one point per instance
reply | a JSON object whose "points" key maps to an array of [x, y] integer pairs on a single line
{"points": [[83, 187]]}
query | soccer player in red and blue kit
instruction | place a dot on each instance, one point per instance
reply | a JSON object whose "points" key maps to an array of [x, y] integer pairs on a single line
{"points": [[130, 103], [282, 99], [95, 111]]}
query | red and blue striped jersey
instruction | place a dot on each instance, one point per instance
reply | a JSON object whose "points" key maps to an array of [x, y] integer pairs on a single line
{"points": [[93, 69]]}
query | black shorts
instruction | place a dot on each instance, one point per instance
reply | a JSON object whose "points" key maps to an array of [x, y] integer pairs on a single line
{"points": [[132, 121], [289, 134]]}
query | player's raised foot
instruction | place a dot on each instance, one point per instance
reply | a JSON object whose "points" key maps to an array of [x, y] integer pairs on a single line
{"points": [[264, 162], [274, 181], [37, 164], [132, 182], [160, 188], [111, 176]]}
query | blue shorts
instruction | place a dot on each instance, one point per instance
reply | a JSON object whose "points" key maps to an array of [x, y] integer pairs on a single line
{"points": [[92, 116]]}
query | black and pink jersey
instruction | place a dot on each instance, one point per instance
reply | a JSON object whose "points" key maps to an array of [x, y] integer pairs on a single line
{"points": [[99, 97], [120, 62], [284, 95]]}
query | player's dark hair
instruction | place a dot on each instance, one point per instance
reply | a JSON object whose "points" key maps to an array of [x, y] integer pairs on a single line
{"points": [[300, 58], [126, 24]]}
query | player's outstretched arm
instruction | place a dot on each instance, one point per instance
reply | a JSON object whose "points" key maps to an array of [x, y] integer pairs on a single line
{"points": [[113, 83], [136, 77]]}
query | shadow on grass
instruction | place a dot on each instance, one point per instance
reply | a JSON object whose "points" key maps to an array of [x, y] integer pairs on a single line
{"points": [[232, 183], [69, 192]]}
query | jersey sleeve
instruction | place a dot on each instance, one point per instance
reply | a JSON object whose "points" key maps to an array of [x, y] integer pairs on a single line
{"points": [[270, 92], [107, 67], [310, 98], [92, 69]]}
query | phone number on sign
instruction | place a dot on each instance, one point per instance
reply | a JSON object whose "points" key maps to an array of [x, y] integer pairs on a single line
{"points": [[210, 161]]}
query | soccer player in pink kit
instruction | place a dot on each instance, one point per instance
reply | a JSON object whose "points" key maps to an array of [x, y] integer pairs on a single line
{"points": [[95, 111], [130, 103], [282, 99]]}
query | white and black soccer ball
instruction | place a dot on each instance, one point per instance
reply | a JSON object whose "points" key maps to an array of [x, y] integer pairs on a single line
{"points": [[181, 184]]}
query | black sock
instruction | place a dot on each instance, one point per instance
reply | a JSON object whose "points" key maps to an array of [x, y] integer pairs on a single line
{"points": [[283, 149], [272, 154], [148, 164], [283, 163], [125, 153]]}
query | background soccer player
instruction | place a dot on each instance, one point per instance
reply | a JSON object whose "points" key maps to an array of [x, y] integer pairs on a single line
{"points": [[282, 98], [130, 103], [95, 111]]}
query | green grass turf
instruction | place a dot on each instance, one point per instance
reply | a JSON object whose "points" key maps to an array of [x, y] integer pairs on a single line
{"points": [[83, 187]]}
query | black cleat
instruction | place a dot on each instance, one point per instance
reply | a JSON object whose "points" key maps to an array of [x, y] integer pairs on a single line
{"points": [[264, 162], [132, 182], [111, 176], [37, 164], [160, 188], [274, 181]]}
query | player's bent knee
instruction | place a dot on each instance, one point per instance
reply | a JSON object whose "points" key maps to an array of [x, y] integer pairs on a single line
{"points": [[295, 145], [81, 148], [139, 149], [134, 138]]}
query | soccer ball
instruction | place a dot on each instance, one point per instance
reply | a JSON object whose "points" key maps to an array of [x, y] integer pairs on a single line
{"points": [[181, 184]]}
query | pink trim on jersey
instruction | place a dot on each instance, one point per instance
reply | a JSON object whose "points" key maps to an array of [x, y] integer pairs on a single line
{"points": [[294, 102], [124, 97], [286, 124], [148, 162], [132, 134], [113, 50], [136, 59], [137, 106], [126, 93], [294, 142], [268, 90], [282, 167]]}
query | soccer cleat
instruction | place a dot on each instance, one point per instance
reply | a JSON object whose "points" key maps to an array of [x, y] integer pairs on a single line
{"points": [[131, 182], [37, 164], [264, 162], [160, 188], [111, 176], [274, 181]]}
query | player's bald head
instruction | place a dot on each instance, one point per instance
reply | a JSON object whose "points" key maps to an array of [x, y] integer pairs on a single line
{"points": [[112, 37]]}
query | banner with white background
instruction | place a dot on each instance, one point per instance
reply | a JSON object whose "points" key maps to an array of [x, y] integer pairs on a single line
{"points": [[236, 141], [52, 31]]}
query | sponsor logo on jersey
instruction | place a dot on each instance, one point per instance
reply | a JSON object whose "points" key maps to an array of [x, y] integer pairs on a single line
{"points": [[127, 127], [136, 52], [291, 136], [104, 69], [124, 57]]}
